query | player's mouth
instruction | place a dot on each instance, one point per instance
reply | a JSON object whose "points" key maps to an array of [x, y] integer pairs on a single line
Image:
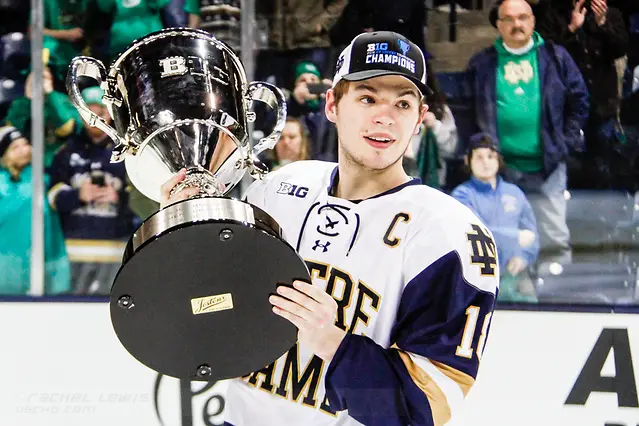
{"points": [[379, 140]]}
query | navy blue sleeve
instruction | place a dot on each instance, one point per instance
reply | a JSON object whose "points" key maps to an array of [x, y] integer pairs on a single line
{"points": [[61, 195], [436, 342]]}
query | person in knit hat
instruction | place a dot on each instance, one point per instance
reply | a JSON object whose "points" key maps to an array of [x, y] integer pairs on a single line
{"points": [[307, 103], [504, 209], [15, 223], [89, 192]]}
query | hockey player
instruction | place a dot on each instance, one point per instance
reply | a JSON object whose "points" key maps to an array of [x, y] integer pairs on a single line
{"points": [[404, 278]]}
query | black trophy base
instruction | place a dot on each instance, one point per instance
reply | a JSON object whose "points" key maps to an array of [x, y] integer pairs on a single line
{"points": [[193, 303]]}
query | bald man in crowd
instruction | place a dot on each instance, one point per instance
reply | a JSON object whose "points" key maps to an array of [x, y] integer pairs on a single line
{"points": [[530, 97]]}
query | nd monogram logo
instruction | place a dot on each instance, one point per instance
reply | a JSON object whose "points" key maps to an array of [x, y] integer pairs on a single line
{"points": [[514, 73], [483, 249]]}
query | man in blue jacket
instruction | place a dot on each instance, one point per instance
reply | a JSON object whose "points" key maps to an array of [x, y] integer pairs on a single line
{"points": [[504, 209], [531, 98]]}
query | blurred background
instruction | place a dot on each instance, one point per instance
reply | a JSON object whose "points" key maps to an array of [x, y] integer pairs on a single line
{"points": [[567, 230]]}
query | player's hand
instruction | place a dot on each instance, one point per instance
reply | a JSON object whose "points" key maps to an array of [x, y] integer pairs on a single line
{"points": [[166, 199], [313, 312], [526, 238], [516, 265]]}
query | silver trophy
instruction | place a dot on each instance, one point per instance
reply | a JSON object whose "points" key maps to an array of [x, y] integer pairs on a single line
{"points": [[191, 298]]}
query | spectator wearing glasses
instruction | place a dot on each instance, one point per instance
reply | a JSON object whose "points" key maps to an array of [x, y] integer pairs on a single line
{"points": [[530, 97]]}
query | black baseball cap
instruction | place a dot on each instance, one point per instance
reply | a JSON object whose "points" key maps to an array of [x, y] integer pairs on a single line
{"points": [[481, 140], [379, 53]]}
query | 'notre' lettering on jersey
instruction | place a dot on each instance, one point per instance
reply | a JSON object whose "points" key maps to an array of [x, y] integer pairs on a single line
{"points": [[414, 274]]}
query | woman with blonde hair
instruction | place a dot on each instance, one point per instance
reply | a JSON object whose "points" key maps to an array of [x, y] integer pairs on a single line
{"points": [[294, 144]]}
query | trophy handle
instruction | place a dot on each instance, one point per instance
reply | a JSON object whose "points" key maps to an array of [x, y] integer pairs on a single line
{"points": [[274, 98], [84, 66]]}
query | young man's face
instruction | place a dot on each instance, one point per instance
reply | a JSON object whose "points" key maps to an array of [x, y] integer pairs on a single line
{"points": [[103, 113], [484, 164], [375, 120]]}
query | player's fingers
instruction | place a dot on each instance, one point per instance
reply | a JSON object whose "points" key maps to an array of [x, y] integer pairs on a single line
{"points": [[299, 298], [292, 307], [298, 322], [165, 189], [314, 292], [184, 194]]}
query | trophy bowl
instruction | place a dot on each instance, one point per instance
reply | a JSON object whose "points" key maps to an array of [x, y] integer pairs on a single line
{"points": [[191, 297]]}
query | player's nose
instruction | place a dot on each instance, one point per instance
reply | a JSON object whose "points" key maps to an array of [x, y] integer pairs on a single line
{"points": [[384, 115]]}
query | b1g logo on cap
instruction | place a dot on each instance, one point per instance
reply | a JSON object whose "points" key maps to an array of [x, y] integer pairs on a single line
{"points": [[380, 53]]}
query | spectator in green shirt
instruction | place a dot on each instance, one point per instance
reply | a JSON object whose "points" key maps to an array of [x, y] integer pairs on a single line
{"points": [[132, 19], [60, 116]]}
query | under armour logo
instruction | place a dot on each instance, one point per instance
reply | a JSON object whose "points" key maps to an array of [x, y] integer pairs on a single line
{"points": [[324, 247], [483, 248], [405, 47]]}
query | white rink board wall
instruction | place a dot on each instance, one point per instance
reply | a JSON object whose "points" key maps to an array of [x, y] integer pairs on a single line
{"points": [[543, 368], [62, 365]]}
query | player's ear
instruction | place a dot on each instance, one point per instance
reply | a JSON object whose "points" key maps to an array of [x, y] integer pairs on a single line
{"points": [[330, 107], [423, 109]]}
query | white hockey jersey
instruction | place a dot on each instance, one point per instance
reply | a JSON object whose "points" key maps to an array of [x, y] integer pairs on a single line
{"points": [[415, 276]]}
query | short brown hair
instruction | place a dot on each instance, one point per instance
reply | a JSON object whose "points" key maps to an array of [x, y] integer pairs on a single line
{"points": [[340, 90]]}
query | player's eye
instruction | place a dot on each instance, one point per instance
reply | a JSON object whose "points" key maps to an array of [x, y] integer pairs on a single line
{"points": [[403, 104], [367, 100]]}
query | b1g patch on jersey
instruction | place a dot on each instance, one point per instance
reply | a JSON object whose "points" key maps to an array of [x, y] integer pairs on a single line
{"points": [[483, 250], [293, 190]]}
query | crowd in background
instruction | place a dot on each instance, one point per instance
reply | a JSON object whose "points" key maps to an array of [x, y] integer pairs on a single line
{"points": [[552, 106]]}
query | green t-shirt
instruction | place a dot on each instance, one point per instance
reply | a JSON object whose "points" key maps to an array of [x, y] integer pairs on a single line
{"points": [[63, 15], [60, 120], [519, 107], [192, 7], [133, 19]]}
